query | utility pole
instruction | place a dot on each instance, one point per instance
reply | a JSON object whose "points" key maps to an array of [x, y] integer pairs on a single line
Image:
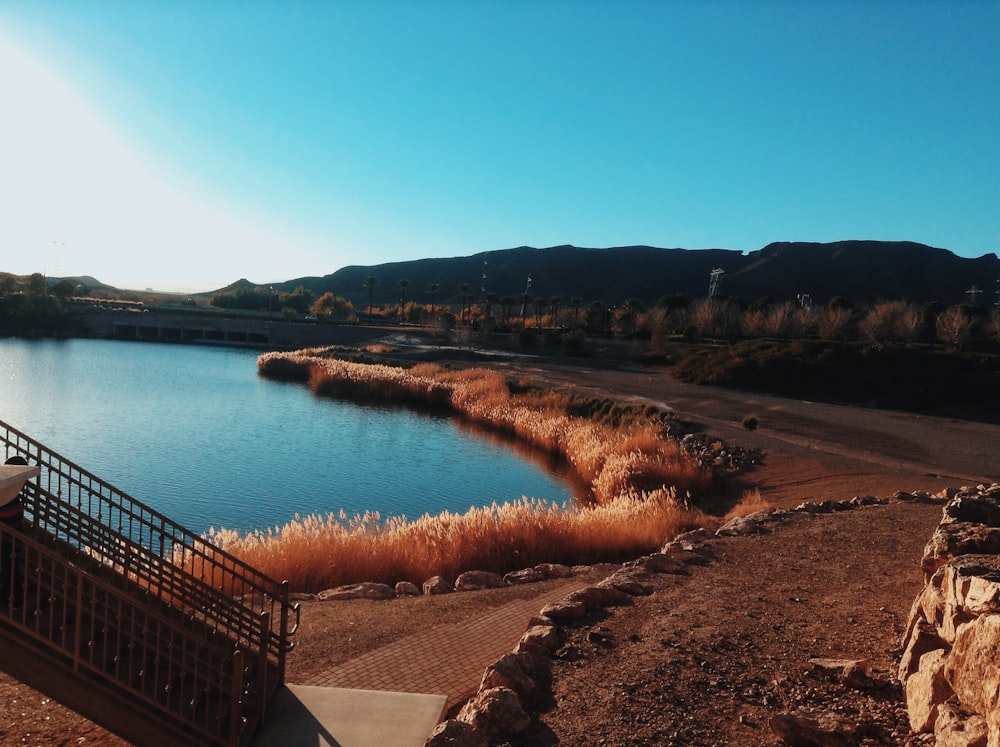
{"points": [[713, 281]]}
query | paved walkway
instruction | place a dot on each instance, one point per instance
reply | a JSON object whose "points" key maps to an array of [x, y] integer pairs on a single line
{"points": [[446, 660]]}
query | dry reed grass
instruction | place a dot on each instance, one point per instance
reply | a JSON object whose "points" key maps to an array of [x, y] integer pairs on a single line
{"points": [[316, 553], [634, 470], [751, 502]]}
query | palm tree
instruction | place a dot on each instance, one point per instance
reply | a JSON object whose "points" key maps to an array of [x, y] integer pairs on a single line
{"points": [[465, 289], [633, 307], [507, 302], [576, 302], [597, 317], [491, 298], [554, 309], [403, 285], [432, 289], [370, 282]]}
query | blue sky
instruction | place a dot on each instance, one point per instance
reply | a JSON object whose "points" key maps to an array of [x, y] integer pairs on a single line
{"points": [[181, 145]]}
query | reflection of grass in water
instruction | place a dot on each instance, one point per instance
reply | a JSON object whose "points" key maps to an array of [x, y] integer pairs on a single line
{"points": [[553, 464], [633, 471]]}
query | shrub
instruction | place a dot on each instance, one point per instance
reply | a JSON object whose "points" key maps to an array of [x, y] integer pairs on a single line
{"points": [[576, 342], [750, 422], [750, 503]]}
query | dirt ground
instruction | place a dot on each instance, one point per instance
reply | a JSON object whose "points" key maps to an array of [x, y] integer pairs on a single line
{"points": [[712, 655]]}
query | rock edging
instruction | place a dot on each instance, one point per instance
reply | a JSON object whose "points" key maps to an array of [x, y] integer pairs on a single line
{"points": [[499, 707], [950, 662]]}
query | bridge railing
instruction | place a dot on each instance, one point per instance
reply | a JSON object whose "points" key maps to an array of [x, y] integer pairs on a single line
{"points": [[172, 562], [117, 645]]}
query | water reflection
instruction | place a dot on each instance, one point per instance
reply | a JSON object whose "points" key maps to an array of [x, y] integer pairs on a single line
{"points": [[553, 464], [198, 435]]}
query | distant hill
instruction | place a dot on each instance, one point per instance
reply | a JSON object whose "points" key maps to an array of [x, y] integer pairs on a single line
{"points": [[863, 271], [85, 282]]}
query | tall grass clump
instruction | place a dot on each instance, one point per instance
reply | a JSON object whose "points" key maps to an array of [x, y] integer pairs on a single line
{"points": [[316, 553], [622, 451], [751, 502], [634, 469]]}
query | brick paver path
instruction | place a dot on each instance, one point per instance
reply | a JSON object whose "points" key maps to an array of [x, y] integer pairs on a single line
{"points": [[447, 659]]}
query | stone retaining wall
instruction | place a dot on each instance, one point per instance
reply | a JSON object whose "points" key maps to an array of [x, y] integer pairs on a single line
{"points": [[950, 665]]}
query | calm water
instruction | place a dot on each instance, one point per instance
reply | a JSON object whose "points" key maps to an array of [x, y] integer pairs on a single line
{"points": [[195, 433]]}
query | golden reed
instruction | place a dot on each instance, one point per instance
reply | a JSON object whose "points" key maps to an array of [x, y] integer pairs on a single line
{"points": [[634, 472]]}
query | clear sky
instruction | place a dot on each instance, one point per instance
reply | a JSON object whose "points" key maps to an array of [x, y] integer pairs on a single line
{"points": [[181, 145]]}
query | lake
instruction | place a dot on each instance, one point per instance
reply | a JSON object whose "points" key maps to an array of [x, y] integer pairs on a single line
{"points": [[195, 433]]}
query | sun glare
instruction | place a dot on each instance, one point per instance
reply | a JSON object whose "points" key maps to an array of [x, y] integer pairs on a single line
{"points": [[81, 197]]}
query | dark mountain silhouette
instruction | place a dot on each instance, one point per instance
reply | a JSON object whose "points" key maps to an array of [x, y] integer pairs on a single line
{"points": [[862, 271], [85, 283]]}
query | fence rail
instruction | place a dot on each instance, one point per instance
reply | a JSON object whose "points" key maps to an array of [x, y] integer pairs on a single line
{"points": [[97, 631], [151, 560]]}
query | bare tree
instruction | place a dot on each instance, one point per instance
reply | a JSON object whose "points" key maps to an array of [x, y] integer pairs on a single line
{"points": [[780, 320], [909, 320], [954, 326], [833, 322], [701, 316], [878, 322], [752, 322], [994, 324]]}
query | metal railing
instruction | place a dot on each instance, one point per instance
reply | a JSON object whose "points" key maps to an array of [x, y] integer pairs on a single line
{"points": [[125, 643], [150, 552]]}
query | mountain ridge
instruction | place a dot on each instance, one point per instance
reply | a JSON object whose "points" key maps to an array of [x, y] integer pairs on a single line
{"points": [[864, 271]]}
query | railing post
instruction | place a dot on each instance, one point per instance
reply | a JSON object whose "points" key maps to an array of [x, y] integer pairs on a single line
{"points": [[77, 621], [262, 663], [283, 632], [236, 700]]}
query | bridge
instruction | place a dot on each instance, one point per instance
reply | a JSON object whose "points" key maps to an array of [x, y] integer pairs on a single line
{"points": [[217, 328]]}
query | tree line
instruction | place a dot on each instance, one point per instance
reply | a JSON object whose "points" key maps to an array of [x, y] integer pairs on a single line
{"points": [[673, 317], [33, 303]]}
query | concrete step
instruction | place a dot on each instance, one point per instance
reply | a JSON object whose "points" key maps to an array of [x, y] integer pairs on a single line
{"points": [[304, 716]]}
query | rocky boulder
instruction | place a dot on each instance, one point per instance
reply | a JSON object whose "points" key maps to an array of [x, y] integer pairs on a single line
{"points": [[508, 672], [407, 589], [478, 580], [366, 590], [496, 711], [437, 585], [814, 729], [524, 576], [950, 665], [455, 733], [565, 610]]}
